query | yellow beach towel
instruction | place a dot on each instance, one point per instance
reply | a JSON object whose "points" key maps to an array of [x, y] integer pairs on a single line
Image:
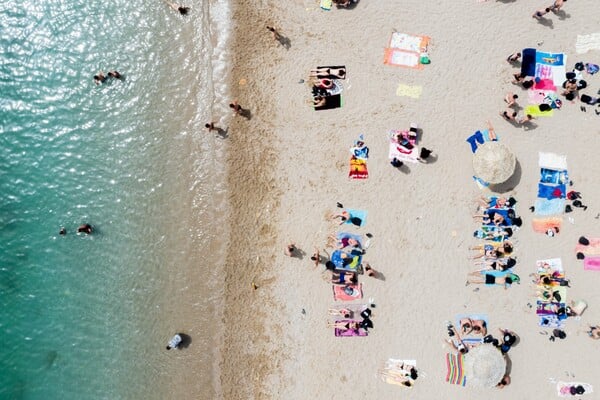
{"points": [[409, 91], [535, 111]]}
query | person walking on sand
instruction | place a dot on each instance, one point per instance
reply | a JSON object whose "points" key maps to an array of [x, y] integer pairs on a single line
{"points": [[511, 99], [539, 14], [237, 109], [370, 271], [211, 126], [179, 8], [276, 35], [557, 5], [316, 257]]}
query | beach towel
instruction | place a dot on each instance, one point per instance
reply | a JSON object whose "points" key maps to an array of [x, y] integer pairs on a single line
{"points": [[405, 50], [481, 184], [553, 294], [550, 266], [331, 102], [403, 153], [553, 176], [326, 4], [409, 91], [592, 68], [349, 332], [348, 292], [358, 169], [550, 66], [549, 207], [534, 110], [501, 211], [338, 261], [550, 321], [480, 137], [585, 43], [405, 136], [550, 192], [544, 85], [548, 308], [591, 263], [539, 96], [592, 249], [396, 372], [456, 373], [542, 225], [360, 152], [492, 233], [554, 162], [348, 235], [563, 388], [357, 217], [528, 62]]}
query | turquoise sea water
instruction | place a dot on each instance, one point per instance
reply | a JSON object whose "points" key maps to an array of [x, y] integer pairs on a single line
{"points": [[87, 317]]}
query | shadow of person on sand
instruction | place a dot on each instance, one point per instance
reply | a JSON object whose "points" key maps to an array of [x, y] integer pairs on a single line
{"points": [[529, 126], [223, 133], [186, 341], [284, 41], [246, 113], [562, 15], [546, 22]]}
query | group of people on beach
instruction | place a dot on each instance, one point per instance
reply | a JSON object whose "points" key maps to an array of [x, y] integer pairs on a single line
{"points": [[554, 7]]}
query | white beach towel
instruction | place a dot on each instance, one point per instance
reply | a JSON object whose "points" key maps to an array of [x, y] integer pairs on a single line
{"points": [[553, 161], [586, 43]]}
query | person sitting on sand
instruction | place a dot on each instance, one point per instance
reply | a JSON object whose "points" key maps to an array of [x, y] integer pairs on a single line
{"points": [[456, 343], [504, 382], [475, 326], [513, 58], [481, 278], [180, 9], [511, 99], [594, 332], [509, 115], [331, 73], [526, 119], [509, 338], [290, 250], [518, 78], [174, 342], [319, 101], [369, 270], [424, 154], [316, 257]]}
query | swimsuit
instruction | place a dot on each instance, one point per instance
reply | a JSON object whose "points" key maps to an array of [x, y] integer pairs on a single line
{"points": [[490, 279]]}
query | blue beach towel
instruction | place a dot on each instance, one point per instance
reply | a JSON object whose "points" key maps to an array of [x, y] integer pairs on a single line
{"points": [[356, 216], [550, 192], [528, 62], [501, 211], [342, 235], [338, 261], [549, 207], [553, 176], [475, 140]]}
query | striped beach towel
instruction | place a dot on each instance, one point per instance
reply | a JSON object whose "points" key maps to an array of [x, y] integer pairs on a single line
{"points": [[456, 373]]}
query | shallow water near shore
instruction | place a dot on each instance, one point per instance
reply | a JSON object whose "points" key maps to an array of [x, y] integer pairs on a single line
{"points": [[89, 316]]}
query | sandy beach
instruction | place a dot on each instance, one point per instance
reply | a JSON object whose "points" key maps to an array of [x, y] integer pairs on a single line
{"points": [[288, 166]]}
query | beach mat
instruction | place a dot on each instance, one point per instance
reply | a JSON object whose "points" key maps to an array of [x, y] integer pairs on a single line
{"points": [[348, 235], [331, 102], [357, 217], [480, 137], [349, 332], [552, 191], [549, 207], [550, 266], [562, 388], [534, 110], [338, 261], [591, 263], [592, 249], [550, 321], [455, 370], [550, 66], [404, 50], [541, 225], [341, 294], [552, 161], [402, 153], [409, 91], [326, 4], [358, 169]]}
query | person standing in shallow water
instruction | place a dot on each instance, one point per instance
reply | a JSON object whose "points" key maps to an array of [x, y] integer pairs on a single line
{"points": [[179, 8]]}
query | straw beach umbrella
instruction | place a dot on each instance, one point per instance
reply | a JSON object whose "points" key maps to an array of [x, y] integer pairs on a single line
{"points": [[484, 366], [494, 162]]}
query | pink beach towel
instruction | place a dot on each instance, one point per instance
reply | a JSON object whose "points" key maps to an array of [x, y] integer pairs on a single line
{"points": [[592, 249], [541, 225], [349, 332], [591, 263], [340, 293]]}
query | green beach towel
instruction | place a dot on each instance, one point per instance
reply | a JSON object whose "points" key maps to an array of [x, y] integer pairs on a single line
{"points": [[535, 111]]}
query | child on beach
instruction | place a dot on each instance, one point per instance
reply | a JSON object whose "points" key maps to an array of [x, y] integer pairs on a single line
{"points": [[540, 13]]}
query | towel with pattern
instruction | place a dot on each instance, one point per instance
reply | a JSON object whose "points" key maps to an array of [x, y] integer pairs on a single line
{"points": [[456, 372], [348, 292]]}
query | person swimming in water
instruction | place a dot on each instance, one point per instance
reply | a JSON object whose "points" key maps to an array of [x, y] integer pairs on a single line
{"points": [[85, 228]]}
